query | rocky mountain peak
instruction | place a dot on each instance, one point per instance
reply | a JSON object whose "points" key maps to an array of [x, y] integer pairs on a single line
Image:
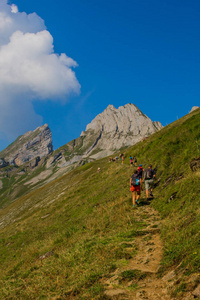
{"points": [[125, 119], [32, 144], [116, 128], [110, 107]]}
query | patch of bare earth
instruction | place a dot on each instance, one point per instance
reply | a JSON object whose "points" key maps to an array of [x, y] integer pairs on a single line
{"points": [[139, 279]]}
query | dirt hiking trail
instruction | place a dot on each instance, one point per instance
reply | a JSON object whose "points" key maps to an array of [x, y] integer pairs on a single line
{"points": [[139, 279]]}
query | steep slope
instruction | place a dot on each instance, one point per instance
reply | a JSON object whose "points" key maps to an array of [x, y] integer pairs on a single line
{"points": [[67, 239]]}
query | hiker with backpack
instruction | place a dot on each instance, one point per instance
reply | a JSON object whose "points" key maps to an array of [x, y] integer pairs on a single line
{"points": [[122, 157], [149, 176], [136, 187], [131, 161], [140, 171], [134, 160]]}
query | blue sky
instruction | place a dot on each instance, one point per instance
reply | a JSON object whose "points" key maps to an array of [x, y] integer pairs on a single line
{"points": [[141, 52]]}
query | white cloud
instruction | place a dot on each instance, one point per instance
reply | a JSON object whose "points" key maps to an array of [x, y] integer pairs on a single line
{"points": [[29, 69], [28, 63], [14, 8]]}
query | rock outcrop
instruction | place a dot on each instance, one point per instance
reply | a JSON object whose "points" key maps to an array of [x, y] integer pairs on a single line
{"points": [[120, 127], [110, 131], [33, 145]]}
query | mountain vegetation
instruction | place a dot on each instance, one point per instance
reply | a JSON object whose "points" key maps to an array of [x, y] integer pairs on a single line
{"points": [[68, 238]]}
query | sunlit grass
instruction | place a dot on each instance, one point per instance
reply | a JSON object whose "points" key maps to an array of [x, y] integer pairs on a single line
{"points": [[61, 239]]}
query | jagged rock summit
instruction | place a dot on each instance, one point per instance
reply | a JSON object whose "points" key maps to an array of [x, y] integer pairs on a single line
{"points": [[110, 131], [119, 128], [32, 145]]}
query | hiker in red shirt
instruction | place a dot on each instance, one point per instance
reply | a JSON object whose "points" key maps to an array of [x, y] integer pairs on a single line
{"points": [[140, 171], [136, 186]]}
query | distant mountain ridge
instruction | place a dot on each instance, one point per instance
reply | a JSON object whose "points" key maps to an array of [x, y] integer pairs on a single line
{"points": [[111, 130], [31, 145]]}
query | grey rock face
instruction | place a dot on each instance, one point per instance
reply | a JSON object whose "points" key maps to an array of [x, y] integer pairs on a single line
{"points": [[58, 158], [120, 127], [110, 131], [32, 145], [34, 162]]}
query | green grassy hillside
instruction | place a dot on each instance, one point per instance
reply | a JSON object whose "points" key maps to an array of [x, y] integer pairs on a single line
{"points": [[14, 181], [59, 241]]}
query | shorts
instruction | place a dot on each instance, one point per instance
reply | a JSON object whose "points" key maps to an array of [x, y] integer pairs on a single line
{"points": [[135, 188], [149, 183]]}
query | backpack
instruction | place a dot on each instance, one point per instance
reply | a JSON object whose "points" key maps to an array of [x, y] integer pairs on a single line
{"points": [[135, 159], [148, 173], [134, 180], [140, 171]]}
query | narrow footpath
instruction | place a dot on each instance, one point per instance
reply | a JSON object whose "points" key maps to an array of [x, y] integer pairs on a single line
{"points": [[139, 279]]}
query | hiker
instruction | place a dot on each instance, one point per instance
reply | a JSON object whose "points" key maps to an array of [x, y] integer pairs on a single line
{"points": [[131, 160], [136, 187], [122, 157], [140, 171], [134, 160], [149, 176]]}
